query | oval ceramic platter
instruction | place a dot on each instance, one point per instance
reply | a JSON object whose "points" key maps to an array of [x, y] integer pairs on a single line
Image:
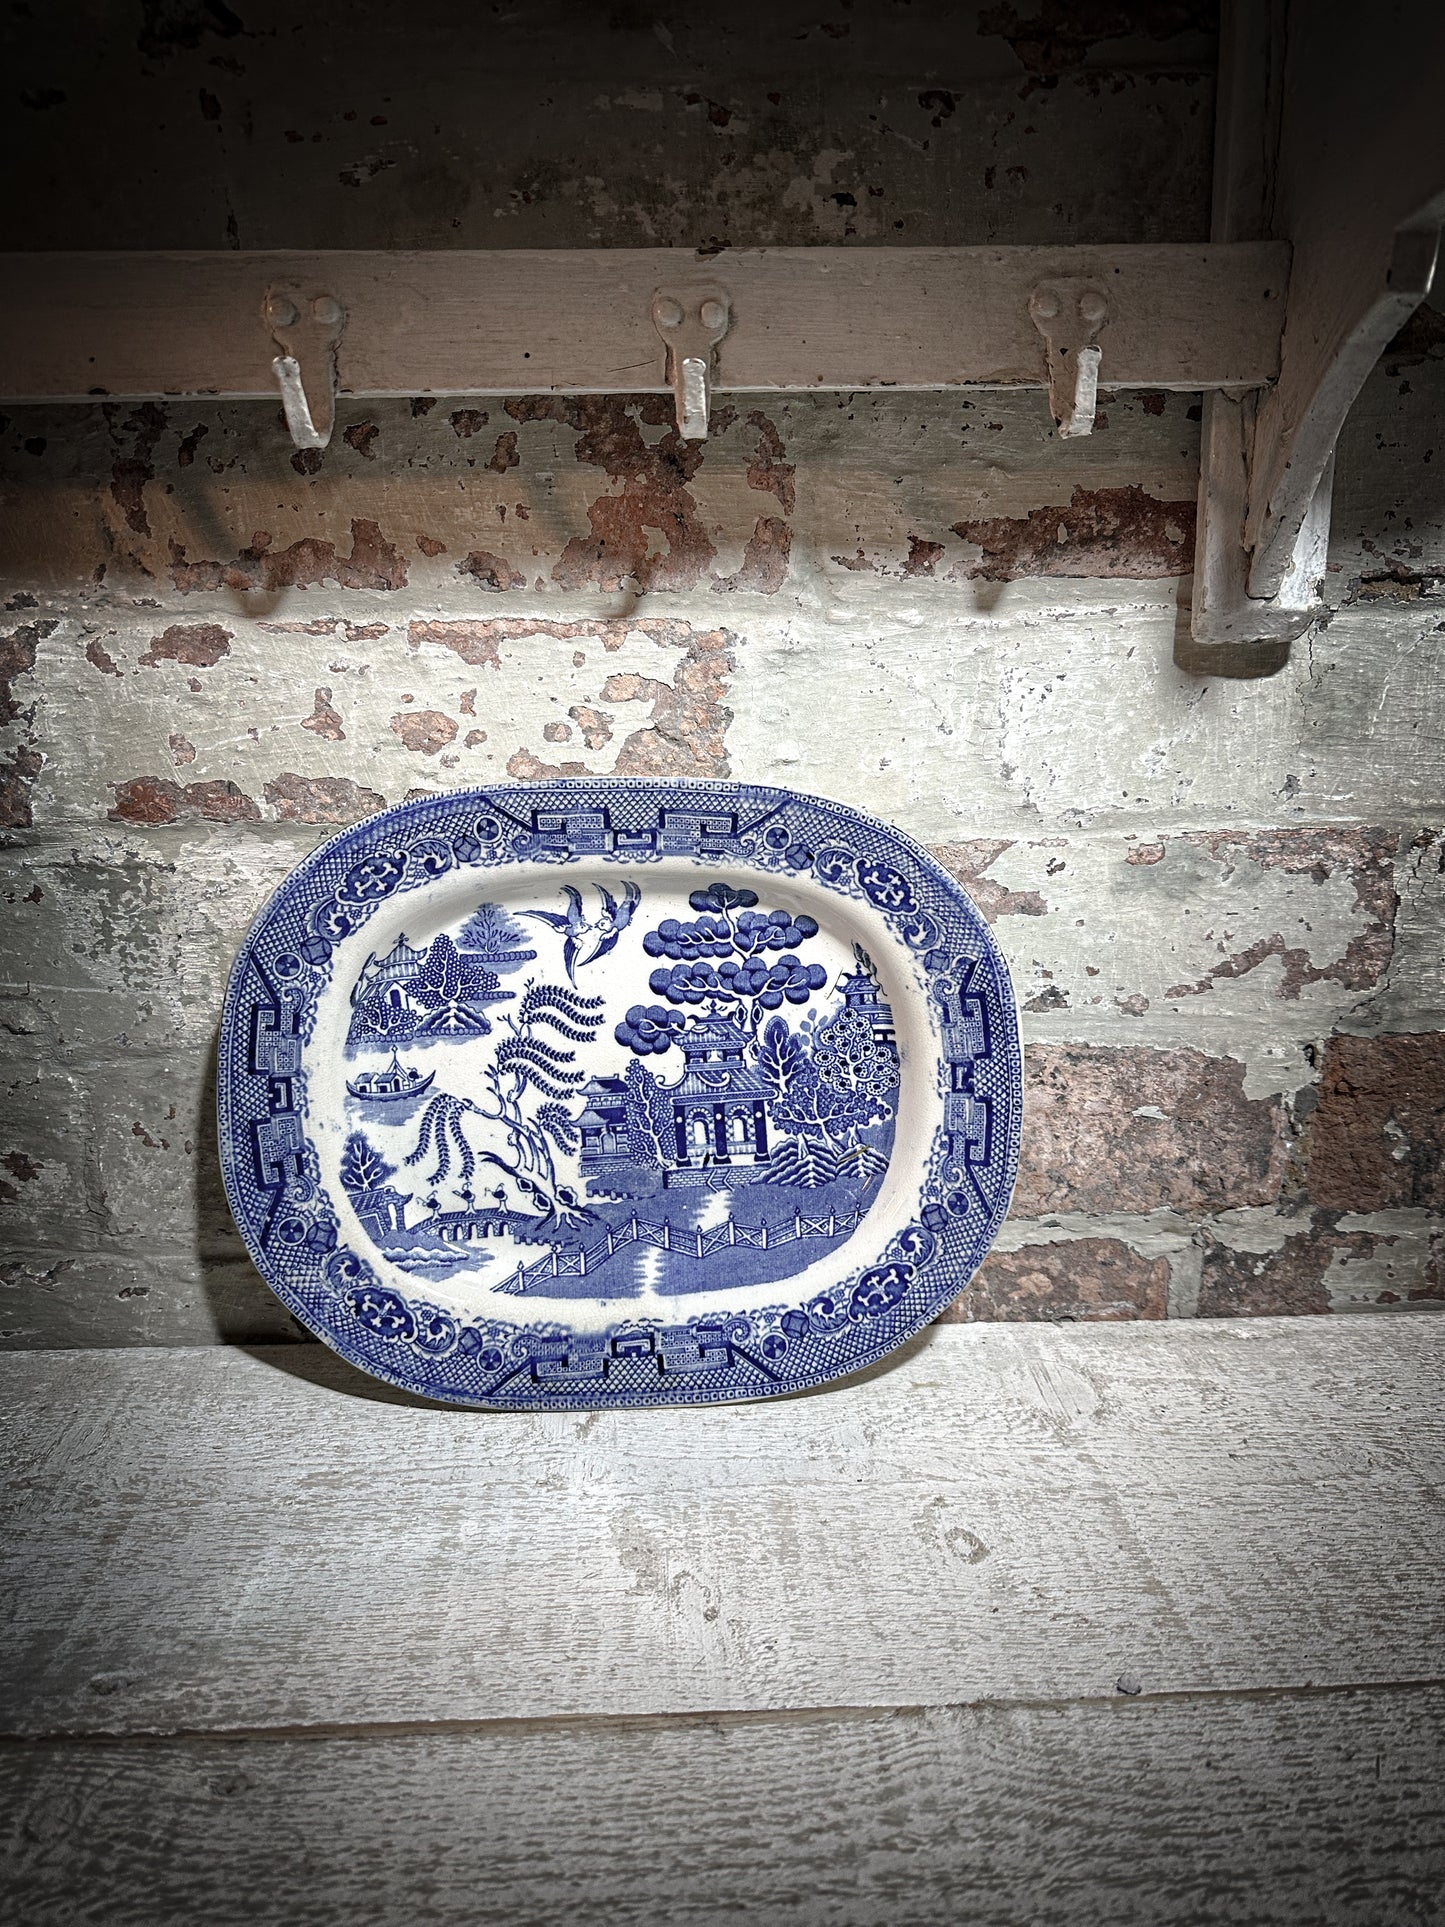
{"points": [[615, 1093]]}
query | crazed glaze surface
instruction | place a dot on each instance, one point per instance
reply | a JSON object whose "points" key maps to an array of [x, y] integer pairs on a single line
{"points": [[609, 1093]]}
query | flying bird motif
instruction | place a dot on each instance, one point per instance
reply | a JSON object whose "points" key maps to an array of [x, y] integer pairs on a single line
{"points": [[585, 941]]}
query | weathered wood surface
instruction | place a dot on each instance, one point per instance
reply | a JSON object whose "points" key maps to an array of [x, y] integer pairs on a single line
{"points": [[524, 321], [1298, 1809], [213, 1540], [1042, 1625], [1360, 191]]}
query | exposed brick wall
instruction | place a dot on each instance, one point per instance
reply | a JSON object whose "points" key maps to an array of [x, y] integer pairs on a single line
{"points": [[1223, 902], [1377, 1138]]}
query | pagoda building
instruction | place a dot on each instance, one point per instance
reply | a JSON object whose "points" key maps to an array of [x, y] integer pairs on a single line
{"points": [[719, 1104], [602, 1127], [388, 974], [383, 993], [861, 993]]}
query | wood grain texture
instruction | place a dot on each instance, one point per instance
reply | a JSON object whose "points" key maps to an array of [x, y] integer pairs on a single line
{"points": [[1308, 1809], [522, 321], [216, 1540]]}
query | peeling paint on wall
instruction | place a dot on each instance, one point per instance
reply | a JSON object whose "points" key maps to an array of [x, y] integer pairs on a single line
{"points": [[1102, 532], [373, 563]]}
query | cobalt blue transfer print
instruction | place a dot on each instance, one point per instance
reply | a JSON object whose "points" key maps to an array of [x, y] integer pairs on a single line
{"points": [[609, 1093]]}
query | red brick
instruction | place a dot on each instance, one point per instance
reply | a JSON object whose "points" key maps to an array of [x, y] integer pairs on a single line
{"points": [[1377, 1140], [1090, 1145], [1098, 1279], [1254, 1284]]}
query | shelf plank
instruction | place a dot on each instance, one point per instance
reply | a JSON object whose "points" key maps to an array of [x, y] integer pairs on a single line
{"points": [[219, 1540], [520, 321], [1323, 1807]]}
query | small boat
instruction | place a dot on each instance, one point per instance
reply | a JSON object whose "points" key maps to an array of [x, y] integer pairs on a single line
{"points": [[398, 1080]]}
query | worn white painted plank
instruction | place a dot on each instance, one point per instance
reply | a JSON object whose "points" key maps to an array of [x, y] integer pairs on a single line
{"points": [[210, 1539], [1301, 1809], [528, 321]]}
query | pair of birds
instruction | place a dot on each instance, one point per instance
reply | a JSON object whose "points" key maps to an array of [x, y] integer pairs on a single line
{"points": [[586, 939]]}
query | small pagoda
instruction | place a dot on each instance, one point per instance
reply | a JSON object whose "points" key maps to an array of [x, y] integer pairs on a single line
{"points": [[606, 1144], [861, 993], [381, 974]]}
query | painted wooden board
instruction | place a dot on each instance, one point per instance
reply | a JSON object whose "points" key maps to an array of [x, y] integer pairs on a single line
{"points": [[221, 1540], [530, 321], [1311, 1808]]}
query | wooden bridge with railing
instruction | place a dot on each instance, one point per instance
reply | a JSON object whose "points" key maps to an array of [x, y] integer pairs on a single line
{"points": [[695, 1244]]}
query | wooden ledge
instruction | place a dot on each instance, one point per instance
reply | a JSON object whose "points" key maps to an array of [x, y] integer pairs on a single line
{"points": [[1008, 1512], [1040, 1624]]}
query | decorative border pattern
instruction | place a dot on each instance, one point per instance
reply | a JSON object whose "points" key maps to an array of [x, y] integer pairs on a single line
{"points": [[292, 1231]]}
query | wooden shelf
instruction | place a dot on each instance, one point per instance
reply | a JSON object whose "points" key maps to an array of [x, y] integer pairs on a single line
{"points": [[1328, 198], [77, 327]]}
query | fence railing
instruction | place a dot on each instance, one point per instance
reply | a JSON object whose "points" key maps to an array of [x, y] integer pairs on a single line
{"points": [[586, 1259]]}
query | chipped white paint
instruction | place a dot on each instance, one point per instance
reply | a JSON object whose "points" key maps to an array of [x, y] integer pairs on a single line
{"points": [[1398, 1249], [1412, 994], [526, 700], [1153, 1234], [1172, 922], [1256, 1229]]}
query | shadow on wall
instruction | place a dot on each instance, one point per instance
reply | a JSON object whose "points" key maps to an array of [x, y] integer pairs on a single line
{"points": [[1229, 661]]}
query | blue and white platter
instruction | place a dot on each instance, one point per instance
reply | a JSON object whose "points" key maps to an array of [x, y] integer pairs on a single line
{"points": [[618, 1093]]}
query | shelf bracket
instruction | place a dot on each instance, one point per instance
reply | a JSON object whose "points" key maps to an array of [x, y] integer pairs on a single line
{"points": [[1328, 137]]}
